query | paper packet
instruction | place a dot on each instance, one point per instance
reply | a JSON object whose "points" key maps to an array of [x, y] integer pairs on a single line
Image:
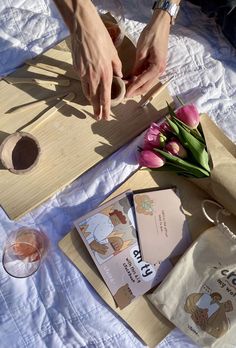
{"points": [[199, 294], [221, 185]]}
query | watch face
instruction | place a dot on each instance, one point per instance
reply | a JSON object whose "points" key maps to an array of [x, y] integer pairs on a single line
{"points": [[168, 6]]}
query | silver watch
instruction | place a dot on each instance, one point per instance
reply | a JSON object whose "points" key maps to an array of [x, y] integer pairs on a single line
{"points": [[167, 6]]}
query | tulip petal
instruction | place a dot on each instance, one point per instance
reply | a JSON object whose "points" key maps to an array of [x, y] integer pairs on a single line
{"points": [[189, 115], [151, 159], [175, 148]]}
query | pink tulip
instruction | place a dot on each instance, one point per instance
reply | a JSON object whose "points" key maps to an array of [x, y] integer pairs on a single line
{"points": [[150, 159], [189, 115], [165, 128], [153, 137], [175, 148]]}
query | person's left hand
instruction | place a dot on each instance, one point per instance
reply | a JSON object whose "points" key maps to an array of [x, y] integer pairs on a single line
{"points": [[151, 54]]}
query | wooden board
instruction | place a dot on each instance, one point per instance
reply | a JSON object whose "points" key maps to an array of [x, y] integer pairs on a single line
{"points": [[71, 140], [140, 315]]}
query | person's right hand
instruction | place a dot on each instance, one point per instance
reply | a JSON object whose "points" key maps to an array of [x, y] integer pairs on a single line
{"points": [[151, 54], [95, 58]]}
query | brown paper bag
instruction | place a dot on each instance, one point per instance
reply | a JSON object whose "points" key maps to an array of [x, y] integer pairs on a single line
{"points": [[221, 185], [203, 303]]}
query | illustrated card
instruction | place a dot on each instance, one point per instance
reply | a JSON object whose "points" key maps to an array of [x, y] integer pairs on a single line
{"points": [[161, 224], [109, 233]]}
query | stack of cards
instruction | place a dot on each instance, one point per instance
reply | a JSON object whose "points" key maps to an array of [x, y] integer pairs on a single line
{"points": [[134, 240]]}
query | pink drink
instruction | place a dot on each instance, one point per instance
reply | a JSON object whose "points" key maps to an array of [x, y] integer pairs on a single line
{"points": [[24, 251]]}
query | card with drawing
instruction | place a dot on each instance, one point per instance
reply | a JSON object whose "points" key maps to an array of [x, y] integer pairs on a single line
{"points": [[109, 233], [161, 225]]}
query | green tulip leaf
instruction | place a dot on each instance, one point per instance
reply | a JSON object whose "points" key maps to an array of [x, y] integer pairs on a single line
{"points": [[174, 126], [197, 135], [195, 132], [169, 167], [196, 147], [171, 110], [176, 130], [184, 166]]}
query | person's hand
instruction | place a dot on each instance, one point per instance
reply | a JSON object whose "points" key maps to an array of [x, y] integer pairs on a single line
{"points": [[151, 54], [95, 58], [116, 242], [98, 247]]}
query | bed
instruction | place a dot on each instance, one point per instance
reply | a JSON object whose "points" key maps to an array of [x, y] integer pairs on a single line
{"points": [[57, 307]]}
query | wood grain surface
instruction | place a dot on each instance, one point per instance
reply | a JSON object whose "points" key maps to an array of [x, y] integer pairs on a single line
{"points": [[71, 140]]}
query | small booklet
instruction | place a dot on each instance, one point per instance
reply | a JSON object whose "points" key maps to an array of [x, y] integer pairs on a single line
{"points": [[110, 235]]}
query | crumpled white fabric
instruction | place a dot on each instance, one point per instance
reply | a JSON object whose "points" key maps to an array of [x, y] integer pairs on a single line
{"points": [[57, 307]]}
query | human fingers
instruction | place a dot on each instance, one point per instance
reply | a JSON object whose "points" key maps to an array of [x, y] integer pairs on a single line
{"points": [[85, 88], [105, 90], [117, 66], [152, 81], [140, 62], [105, 96], [151, 74], [146, 87], [103, 249], [95, 100], [116, 246]]}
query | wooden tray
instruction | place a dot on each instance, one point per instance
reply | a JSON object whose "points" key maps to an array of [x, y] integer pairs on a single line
{"points": [[71, 140], [141, 315]]}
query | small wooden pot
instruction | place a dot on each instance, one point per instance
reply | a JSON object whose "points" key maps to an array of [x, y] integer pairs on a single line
{"points": [[19, 152], [117, 91]]}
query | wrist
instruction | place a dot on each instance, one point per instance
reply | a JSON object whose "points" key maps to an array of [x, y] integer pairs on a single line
{"points": [[161, 15], [72, 9], [84, 11], [169, 6]]}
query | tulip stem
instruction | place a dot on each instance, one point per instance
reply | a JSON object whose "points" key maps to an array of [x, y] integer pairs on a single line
{"points": [[180, 100], [198, 135]]}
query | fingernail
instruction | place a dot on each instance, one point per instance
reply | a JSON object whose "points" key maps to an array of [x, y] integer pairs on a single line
{"points": [[99, 117]]}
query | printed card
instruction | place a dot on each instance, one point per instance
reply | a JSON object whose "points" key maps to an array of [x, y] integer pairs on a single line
{"points": [[109, 233], [162, 228]]}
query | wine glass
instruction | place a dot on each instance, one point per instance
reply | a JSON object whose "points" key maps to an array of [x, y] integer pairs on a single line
{"points": [[24, 251]]}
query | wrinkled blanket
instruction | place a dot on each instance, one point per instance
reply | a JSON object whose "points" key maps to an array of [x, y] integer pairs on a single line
{"points": [[57, 307]]}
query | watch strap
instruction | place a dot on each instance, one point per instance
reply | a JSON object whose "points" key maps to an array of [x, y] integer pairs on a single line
{"points": [[168, 6]]}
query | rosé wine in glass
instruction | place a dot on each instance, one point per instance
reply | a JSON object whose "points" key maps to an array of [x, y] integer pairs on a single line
{"points": [[24, 251]]}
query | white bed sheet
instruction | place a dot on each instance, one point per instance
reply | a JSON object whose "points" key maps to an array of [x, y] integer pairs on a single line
{"points": [[57, 307]]}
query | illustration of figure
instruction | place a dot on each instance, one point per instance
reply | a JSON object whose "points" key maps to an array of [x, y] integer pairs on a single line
{"points": [[144, 204], [124, 296], [209, 313], [98, 228], [128, 209]]}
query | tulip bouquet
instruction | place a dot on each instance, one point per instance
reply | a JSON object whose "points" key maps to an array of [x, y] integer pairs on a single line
{"points": [[177, 144]]}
